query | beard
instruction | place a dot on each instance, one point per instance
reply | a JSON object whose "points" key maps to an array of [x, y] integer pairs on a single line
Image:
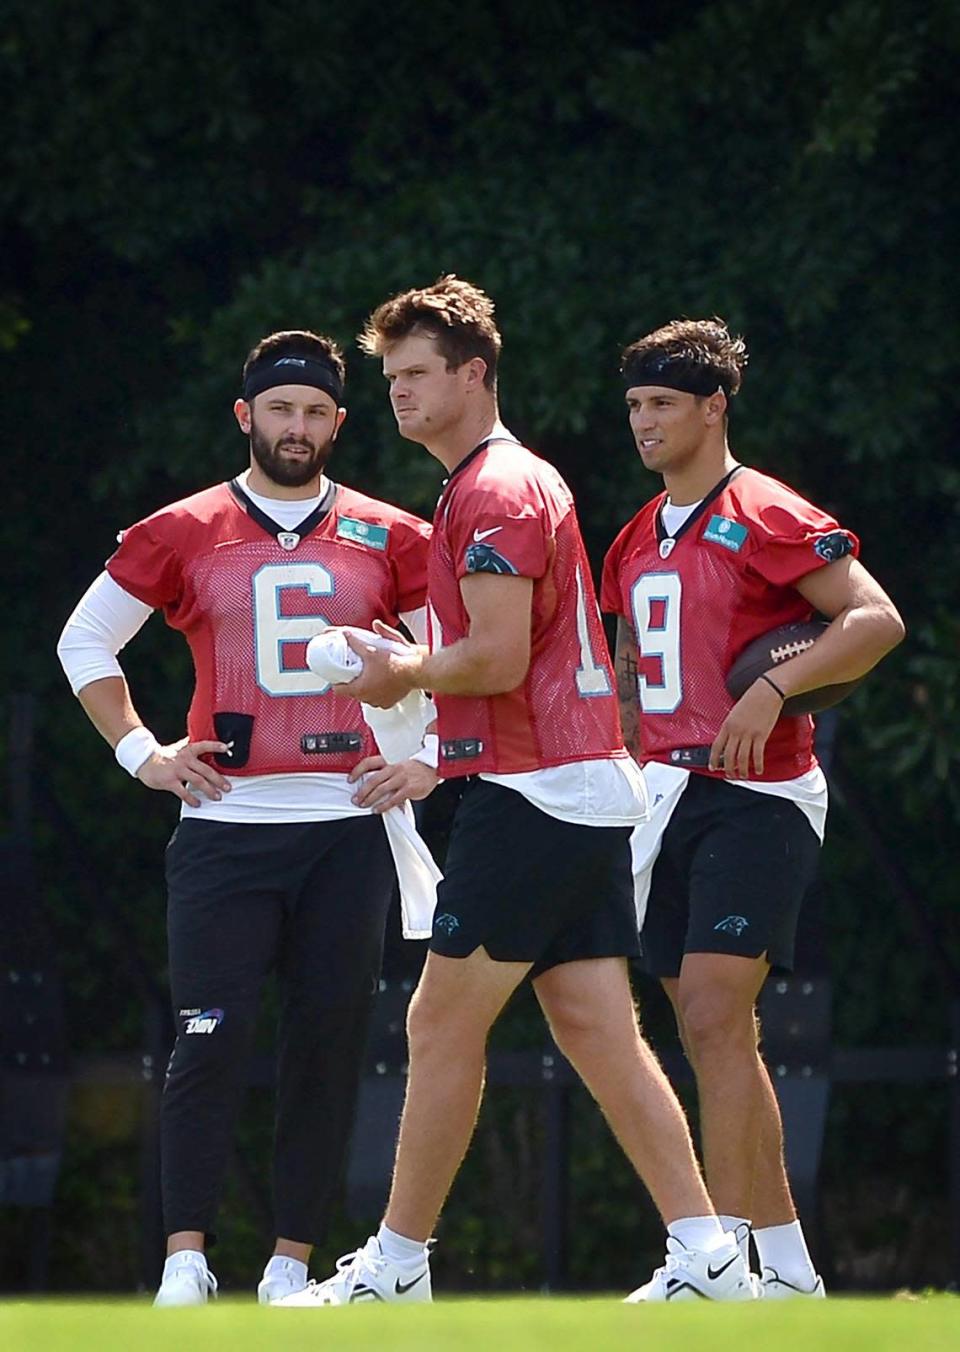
{"points": [[285, 472]]}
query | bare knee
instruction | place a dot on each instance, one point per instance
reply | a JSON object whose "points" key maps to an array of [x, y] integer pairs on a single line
{"points": [[571, 1022], [715, 1020], [437, 1024], [579, 1024]]}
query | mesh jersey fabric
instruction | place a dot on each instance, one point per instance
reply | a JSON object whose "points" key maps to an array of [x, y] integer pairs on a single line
{"points": [[248, 607], [505, 510], [728, 579]]}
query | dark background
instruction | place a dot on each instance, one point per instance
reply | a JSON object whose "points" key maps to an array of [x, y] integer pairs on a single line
{"points": [[177, 180]]}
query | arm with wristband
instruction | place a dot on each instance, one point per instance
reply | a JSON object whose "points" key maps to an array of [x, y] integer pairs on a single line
{"points": [[104, 621]]}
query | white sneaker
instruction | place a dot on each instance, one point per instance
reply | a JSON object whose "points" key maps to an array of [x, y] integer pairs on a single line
{"points": [[363, 1276], [186, 1280], [281, 1277], [692, 1274], [776, 1287]]}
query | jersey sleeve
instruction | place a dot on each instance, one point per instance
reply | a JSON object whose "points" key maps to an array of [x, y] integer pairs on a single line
{"points": [[409, 547], [496, 530], [611, 600], [795, 538], [147, 566]]}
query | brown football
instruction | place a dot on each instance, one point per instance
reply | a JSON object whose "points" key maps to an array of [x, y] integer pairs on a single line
{"points": [[768, 651]]}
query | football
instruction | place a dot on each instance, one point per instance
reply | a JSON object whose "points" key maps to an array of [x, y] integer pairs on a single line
{"points": [[769, 650]]}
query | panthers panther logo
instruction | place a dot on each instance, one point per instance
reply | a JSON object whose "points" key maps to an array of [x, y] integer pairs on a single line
{"points": [[733, 924]]}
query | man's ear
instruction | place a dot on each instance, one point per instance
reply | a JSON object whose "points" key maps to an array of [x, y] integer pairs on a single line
{"points": [[716, 408], [243, 412], [341, 419], [476, 370]]}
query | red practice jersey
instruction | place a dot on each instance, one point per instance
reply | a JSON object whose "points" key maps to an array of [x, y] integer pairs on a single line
{"points": [[249, 596], [506, 511], [695, 604]]}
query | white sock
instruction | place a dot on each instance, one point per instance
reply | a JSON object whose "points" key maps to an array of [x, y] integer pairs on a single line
{"points": [[399, 1249], [697, 1232], [783, 1248], [283, 1265], [194, 1257], [739, 1227]]}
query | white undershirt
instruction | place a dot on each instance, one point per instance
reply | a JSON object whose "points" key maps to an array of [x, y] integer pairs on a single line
{"points": [[107, 617], [608, 792], [673, 517]]}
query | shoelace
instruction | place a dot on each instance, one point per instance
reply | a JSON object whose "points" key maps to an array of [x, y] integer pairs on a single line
{"points": [[349, 1270], [204, 1275], [351, 1267]]}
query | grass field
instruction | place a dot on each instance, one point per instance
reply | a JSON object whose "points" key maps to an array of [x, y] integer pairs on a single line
{"points": [[560, 1324]]}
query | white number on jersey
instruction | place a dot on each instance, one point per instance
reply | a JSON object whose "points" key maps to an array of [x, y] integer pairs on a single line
{"points": [[591, 678], [656, 618], [273, 630]]}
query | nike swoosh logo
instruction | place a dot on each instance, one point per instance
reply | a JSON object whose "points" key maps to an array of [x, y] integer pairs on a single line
{"points": [[402, 1288], [479, 535], [714, 1273]]}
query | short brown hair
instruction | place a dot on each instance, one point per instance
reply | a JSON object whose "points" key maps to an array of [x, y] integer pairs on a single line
{"points": [[698, 348], [295, 343], [457, 315]]}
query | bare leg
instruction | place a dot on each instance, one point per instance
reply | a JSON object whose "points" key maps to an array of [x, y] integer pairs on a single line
{"points": [[742, 1134], [589, 1006], [772, 1199], [289, 1248], [181, 1240], [451, 1013]]}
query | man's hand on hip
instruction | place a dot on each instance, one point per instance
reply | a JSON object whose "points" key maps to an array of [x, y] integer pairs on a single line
{"points": [[382, 786], [178, 769]]}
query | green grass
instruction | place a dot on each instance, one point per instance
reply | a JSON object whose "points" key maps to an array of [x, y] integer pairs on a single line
{"points": [[560, 1324]]}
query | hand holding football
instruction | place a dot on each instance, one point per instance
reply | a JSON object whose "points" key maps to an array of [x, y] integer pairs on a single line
{"points": [[768, 651]]}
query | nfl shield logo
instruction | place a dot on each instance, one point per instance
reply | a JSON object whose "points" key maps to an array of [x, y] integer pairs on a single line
{"points": [[288, 539], [666, 547]]}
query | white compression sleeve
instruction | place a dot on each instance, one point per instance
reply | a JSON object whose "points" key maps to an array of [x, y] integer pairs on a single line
{"points": [[104, 621]]}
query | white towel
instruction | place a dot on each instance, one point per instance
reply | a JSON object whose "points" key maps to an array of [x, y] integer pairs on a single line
{"points": [[665, 784], [399, 733]]}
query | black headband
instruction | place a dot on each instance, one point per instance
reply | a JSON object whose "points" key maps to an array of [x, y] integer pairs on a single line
{"points": [[673, 373], [315, 371]]}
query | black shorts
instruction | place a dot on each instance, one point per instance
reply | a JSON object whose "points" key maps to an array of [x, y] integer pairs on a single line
{"points": [[529, 888], [733, 868]]}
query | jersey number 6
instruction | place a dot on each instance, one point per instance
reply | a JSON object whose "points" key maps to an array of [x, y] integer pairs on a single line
{"points": [[273, 631]]}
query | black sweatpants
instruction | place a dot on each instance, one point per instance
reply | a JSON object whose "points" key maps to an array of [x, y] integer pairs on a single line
{"points": [[308, 899]]}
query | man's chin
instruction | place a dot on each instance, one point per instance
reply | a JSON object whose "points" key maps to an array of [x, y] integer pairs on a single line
{"points": [[290, 473], [412, 429]]}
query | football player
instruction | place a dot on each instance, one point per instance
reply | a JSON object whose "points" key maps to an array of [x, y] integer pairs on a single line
{"points": [[721, 556], [274, 865], [538, 869]]}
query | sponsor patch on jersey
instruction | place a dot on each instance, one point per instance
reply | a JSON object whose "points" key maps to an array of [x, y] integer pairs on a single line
{"points": [[836, 545], [363, 532], [722, 531], [206, 1021]]}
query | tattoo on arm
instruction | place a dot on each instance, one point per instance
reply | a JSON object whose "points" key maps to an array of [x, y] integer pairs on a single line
{"points": [[627, 664]]}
